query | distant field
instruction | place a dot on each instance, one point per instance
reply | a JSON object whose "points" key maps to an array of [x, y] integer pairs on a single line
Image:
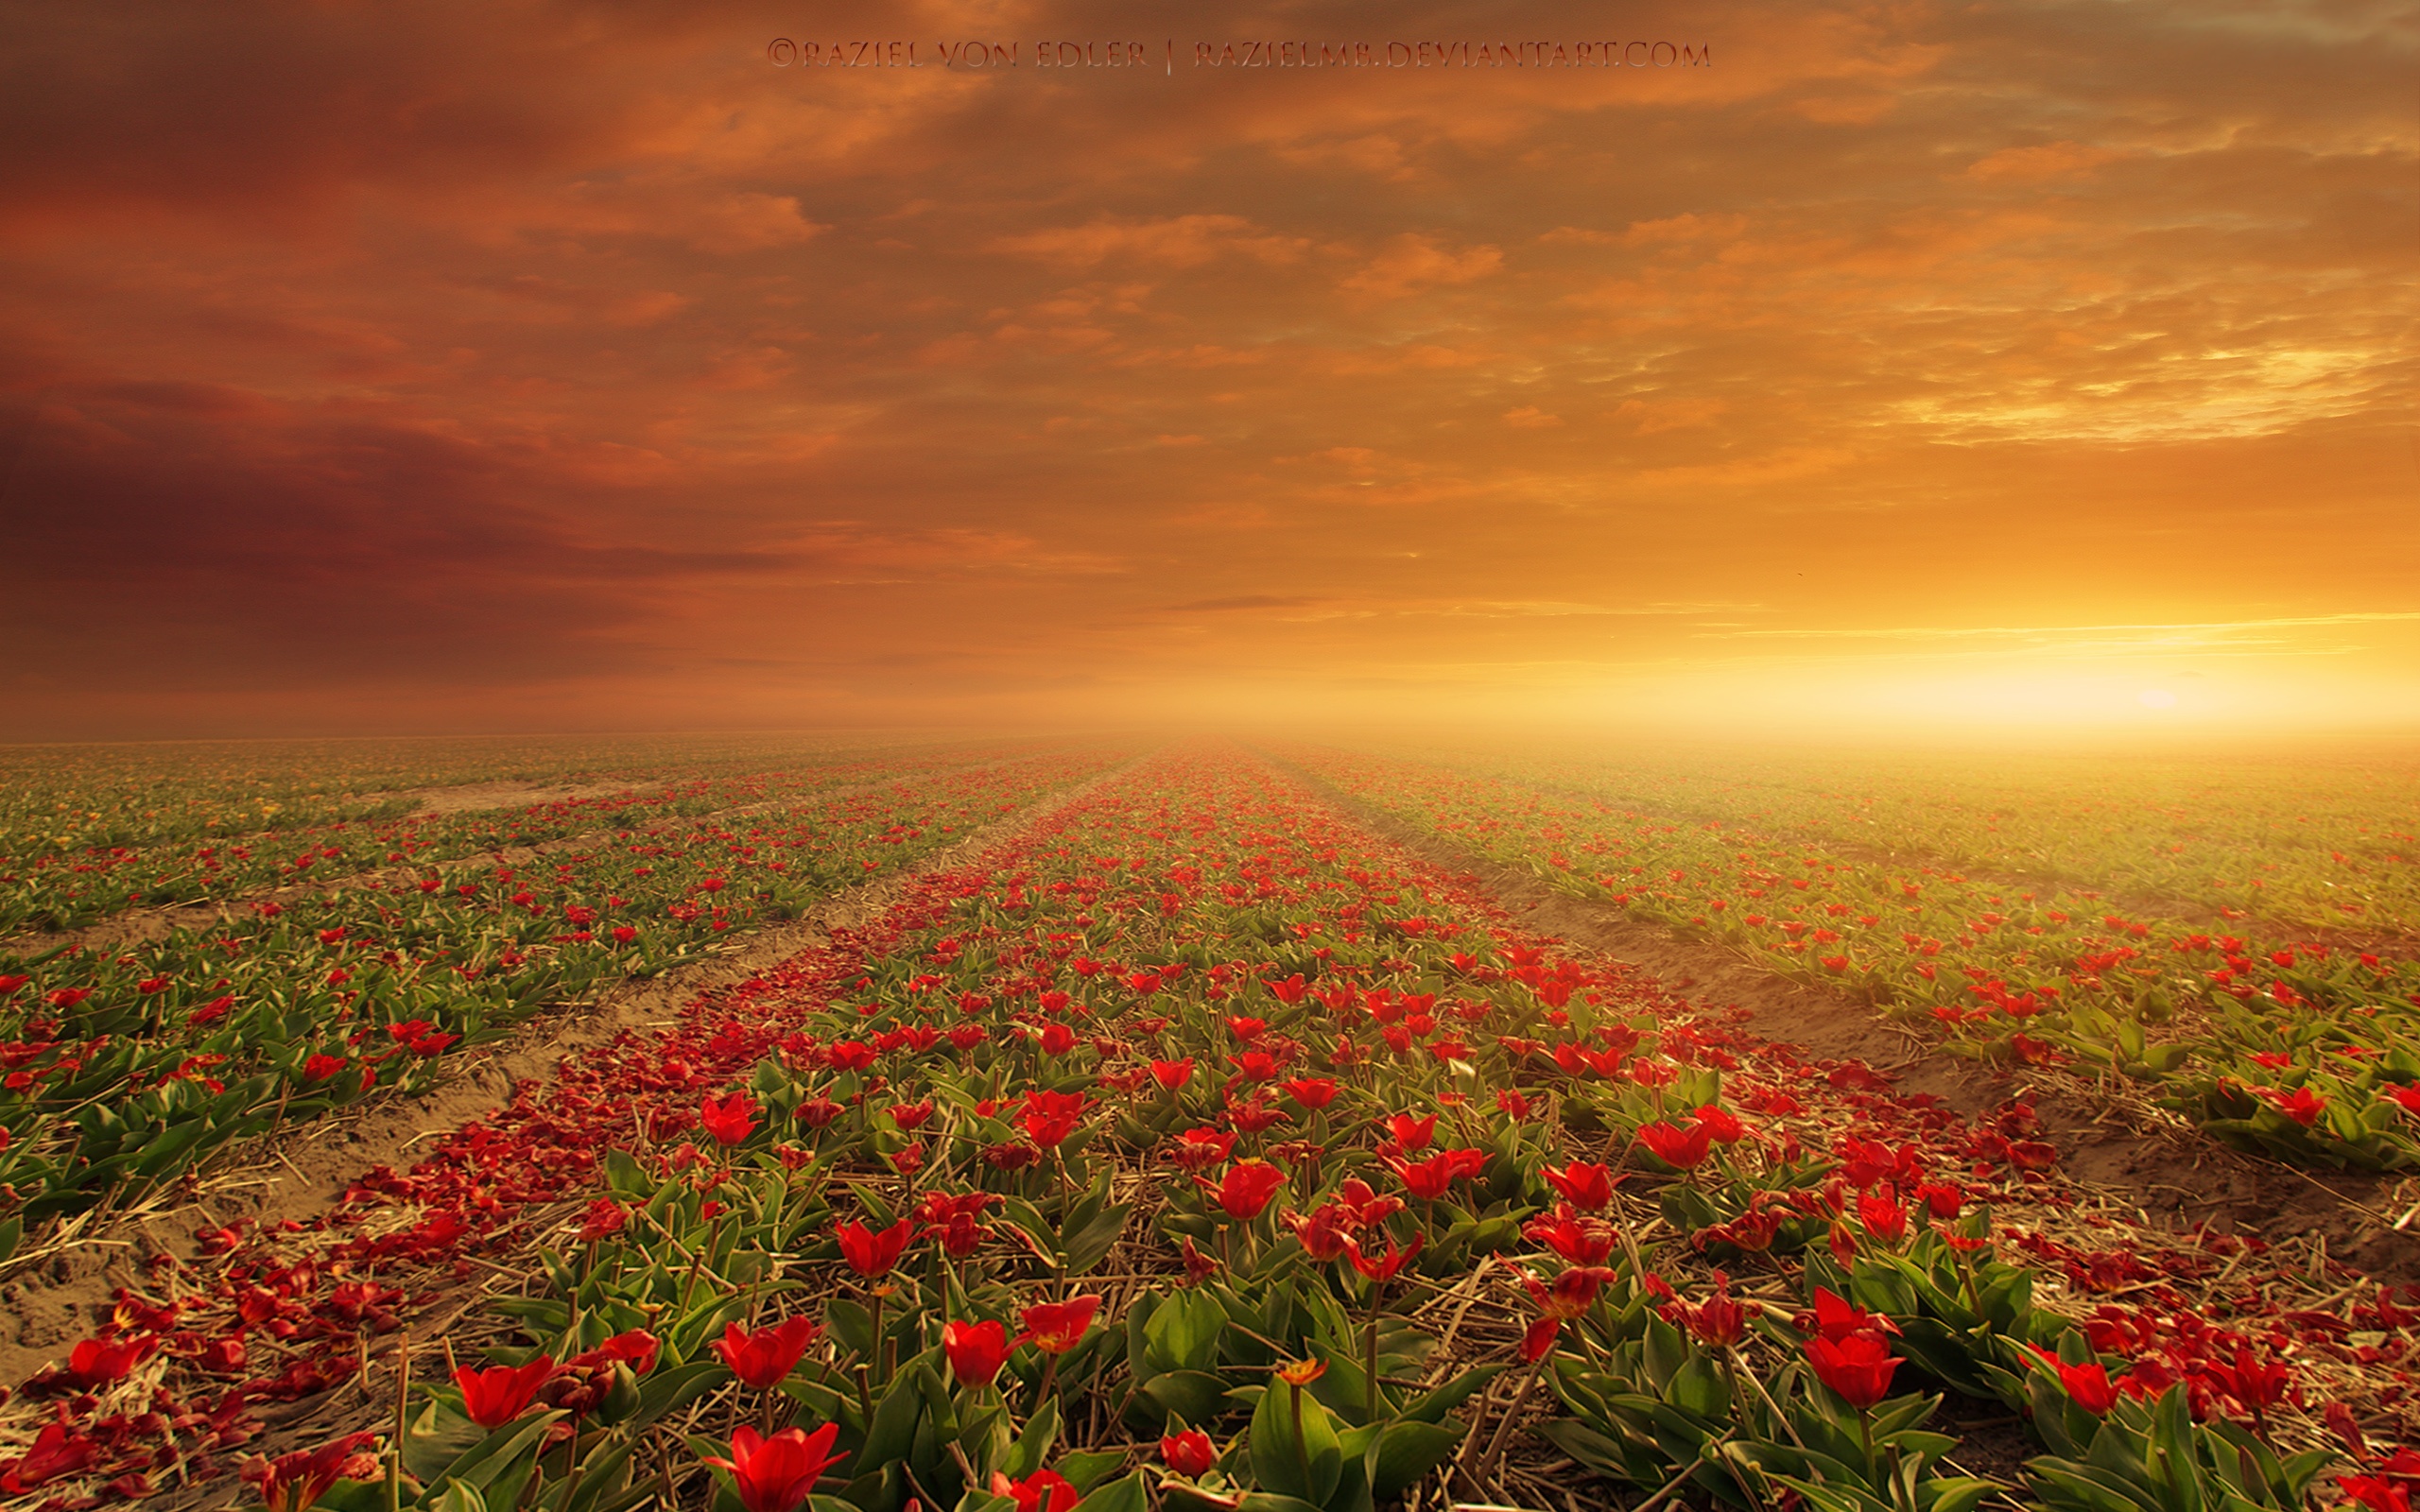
{"points": [[2239, 937]]}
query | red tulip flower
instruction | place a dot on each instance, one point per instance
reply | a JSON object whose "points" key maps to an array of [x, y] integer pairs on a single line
{"points": [[497, 1394], [1382, 1268], [1580, 1241], [1257, 1065], [1409, 1132], [1719, 1125], [2089, 1386], [849, 1055], [1189, 1453], [1582, 1183], [1943, 1199], [1198, 1147], [1884, 1216], [1246, 1189], [2304, 1105], [1364, 1206], [1684, 1149], [975, 1351], [730, 1120], [764, 1358], [1859, 1367], [777, 1474], [1719, 1320], [869, 1253], [1322, 1235], [1836, 1317], [1043, 1490], [1056, 1328], [1572, 1294], [1313, 1093], [1050, 1117], [1173, 1074], [1430, 1179]]}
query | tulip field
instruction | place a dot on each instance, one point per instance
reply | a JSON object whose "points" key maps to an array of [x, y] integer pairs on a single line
{"points": [[2292, 1028], [1185, 1125]]}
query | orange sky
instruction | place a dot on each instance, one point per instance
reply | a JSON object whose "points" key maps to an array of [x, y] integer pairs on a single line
{"points": [[516, 367]]}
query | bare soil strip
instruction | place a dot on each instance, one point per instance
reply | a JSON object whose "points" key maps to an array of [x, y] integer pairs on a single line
{"points": [[2108, 1136], [472, 797], [300, 1173]]}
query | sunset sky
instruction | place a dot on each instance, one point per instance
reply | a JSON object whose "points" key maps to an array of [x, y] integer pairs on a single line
{"points": [[509, 366]]}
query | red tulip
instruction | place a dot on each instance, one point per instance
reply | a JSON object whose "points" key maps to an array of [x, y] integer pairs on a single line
{"points": [[1383, 1269], [1572, 1294], [1884, 1216], [499, 1394], [1056, 1328], [975, 1351], [1246, 1189], [730, 1120], [1410, 1133], [1580, 1241], [1050, 1117], [1173, 1074], [2090, 1387], [1189, 1453], [1253, 1113], [1313, 1093], [1834, 1317], [1043, 1490], [869, 1253], [2304, 1105], [1322, 1235], [1859, 1367], [1583, 1184], [1719, 1125], [1539, 1338], [1198, 1147], [764, 1358], [777, 1474], [1363, 1205], [849, 1055], [1718, 1320], [1429, 1178], [1684, 1149]]}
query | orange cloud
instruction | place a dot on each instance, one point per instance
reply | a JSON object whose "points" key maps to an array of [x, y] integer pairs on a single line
{"points": [[2059, 159], [1413, 261], [1178, 242]]}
